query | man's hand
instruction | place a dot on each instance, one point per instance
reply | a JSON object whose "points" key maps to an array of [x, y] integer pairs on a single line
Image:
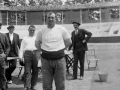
{"points": [[67, 42], [84, 41], [21, 60]]}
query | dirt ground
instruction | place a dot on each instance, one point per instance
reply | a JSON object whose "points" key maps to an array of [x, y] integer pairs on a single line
{"points": [[109, 55]]}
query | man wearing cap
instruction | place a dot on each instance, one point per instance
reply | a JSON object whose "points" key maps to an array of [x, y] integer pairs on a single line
{"points": [[53, 39], [79, 38], [14, 47], [4, 50]]}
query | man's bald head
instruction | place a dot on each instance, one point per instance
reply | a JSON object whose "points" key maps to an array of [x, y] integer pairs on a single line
{"points": [[51, 14]]}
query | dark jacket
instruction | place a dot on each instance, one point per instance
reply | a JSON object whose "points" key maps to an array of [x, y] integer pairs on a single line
{"points": [[82, 35], [5, 43], [16, 41]]}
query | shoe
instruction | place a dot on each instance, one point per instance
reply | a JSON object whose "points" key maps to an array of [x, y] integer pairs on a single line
{"points": [[81, 78], [22, 79], [26, 88], [3, 89], [9, 82], [6, 86], [73, 78], [33, 88]]}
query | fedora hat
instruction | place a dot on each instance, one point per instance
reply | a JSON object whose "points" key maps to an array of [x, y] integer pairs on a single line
{"points": [[73, 22], [11, 26]]}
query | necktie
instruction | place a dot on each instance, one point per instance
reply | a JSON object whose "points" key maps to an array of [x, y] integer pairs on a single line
{"points": [[11, 38], [76, 31]]}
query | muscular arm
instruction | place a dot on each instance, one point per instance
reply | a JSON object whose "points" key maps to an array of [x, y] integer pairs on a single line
{"points": [[38, 40], [22, 48], [38, 45], [67, 42], [66, 38]]}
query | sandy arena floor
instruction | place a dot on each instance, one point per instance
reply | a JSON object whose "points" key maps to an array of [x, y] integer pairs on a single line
{"points": [[109, 55]]}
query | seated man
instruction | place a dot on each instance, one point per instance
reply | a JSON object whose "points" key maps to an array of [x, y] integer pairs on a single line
{"points": [[14, 45]]}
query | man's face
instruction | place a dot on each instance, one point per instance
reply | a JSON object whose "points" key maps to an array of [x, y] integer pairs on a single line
{"points": [[51, 18], [31, 31], [76, 26], [11, 30]]}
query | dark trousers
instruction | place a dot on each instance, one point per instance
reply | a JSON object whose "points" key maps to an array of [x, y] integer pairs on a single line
{"points": [[2, 73], [11, 65], [79, 55], [10, 69], [54, 70], [31, 69]]}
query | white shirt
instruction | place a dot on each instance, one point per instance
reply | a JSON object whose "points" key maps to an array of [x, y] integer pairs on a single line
{"points": [[76, 31], [11, 37], [28, 43], [53, 39]]}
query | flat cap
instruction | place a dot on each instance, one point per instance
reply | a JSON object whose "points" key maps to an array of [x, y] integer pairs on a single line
{"points": [[11, 26], [76, 22]]}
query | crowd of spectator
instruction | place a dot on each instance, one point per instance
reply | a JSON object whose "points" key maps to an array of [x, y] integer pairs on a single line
{"points": [[50, 2]]}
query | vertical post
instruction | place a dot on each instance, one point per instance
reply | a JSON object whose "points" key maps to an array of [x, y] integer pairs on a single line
{"points": [[81, 16], [119, 13], [16, 18], [7, 18], [25, 17], [88, 14], [44, 17], [71, 18], [0, 17], [100, 14], [62, 17]]}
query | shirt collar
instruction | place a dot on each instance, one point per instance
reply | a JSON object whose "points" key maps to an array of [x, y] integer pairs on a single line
{"points": [[10, 34], [30, 36], [76, 30]]}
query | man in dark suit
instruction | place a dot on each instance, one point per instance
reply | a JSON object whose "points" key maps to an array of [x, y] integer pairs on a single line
{"points": [[4, 50], [14, 46], [79, 44]]}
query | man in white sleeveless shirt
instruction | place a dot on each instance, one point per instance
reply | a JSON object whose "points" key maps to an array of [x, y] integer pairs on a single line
{"points": [[52, 40]]}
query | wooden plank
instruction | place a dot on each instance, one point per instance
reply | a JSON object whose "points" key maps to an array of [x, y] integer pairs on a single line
{"points": [[10, 58]]}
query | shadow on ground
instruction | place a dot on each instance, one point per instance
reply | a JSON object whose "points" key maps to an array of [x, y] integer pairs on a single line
{"points": [[98, 81], [19, 88], [17, 80], [92, 69]]}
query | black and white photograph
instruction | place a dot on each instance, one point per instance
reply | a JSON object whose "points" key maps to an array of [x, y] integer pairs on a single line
{"points": [[59, 44]]}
